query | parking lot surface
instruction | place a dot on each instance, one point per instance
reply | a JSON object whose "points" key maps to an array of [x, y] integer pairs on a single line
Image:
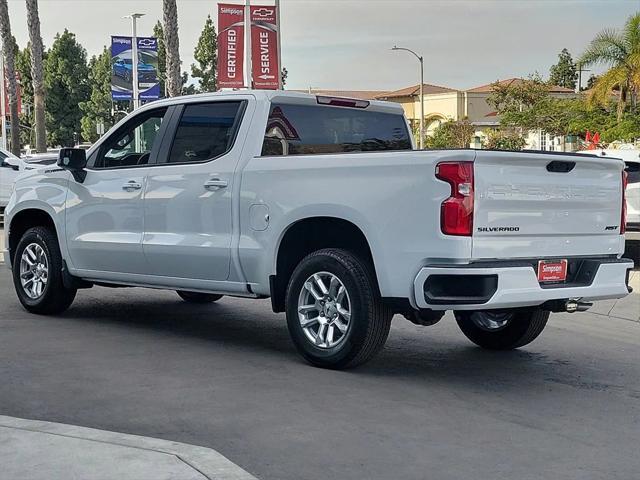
{"points": [[431, 405]]}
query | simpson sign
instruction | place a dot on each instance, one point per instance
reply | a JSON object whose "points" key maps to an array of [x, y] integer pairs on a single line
{"points": [[264, 47], [230, 46]]}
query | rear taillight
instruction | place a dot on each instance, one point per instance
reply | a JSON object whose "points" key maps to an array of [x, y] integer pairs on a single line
{"points": [[623, 218], [456, 213]]}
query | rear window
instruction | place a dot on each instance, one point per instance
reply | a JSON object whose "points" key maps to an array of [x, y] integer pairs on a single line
{"points": [[206, 131], [309, 130]]}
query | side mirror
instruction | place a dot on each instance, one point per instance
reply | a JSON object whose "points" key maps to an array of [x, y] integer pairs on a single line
{"points": [[74, 160], [7, 164]]}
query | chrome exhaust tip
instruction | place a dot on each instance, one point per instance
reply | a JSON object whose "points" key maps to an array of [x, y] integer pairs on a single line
{"points": [[572, 306]]}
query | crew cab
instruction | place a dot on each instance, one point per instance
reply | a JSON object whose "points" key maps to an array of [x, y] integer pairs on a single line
{"points": [[324, 205]]}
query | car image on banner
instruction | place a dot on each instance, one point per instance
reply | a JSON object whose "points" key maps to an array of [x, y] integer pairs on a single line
{"points": [[122, 68]]}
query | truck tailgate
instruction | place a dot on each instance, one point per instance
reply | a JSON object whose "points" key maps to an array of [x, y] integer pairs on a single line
{"points": [[541, 205]]}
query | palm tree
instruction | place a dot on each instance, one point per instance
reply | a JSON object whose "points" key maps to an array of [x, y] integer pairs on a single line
{"points": [[172, 44], [8, 51], [620, 50], [35, 39]]}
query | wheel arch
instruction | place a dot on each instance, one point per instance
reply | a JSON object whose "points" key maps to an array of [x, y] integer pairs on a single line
{"points": [[310, 234], [25, 219]]}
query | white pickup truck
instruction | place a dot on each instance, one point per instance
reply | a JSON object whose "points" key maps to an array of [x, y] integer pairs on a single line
{"points": [[323, 205]]}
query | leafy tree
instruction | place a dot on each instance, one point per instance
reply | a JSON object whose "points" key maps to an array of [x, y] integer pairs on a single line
{"points": [[98, 107], [172, 47], [451, 134], [591, 81], [37, 74], [66, 86], [505, 139], [529, 106], [620, 51], [9, 48], [158, 32], [564, 73], [187, 88], [206, 56]]}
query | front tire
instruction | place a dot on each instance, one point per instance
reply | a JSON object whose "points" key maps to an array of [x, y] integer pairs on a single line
{"points": [[504, 329], [195, 297], [335, 315], [37, 273]]}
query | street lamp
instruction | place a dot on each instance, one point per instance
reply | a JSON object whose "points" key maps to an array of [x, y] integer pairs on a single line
{"points": [[421, 60], [134, 58]]}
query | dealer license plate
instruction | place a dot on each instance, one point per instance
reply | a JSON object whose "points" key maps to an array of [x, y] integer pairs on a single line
{"points": [[552, 271]]}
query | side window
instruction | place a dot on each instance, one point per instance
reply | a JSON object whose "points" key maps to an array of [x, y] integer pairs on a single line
{"points": [[131, 145], [311, 129], [205, 131]]}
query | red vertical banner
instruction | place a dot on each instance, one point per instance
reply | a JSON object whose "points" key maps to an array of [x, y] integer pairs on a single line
{"points": [[264, 47], [230, 46]]}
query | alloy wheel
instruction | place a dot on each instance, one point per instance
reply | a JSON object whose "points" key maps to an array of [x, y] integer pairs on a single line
{"points": [[34, 271], [324, 310], [492, 321]]}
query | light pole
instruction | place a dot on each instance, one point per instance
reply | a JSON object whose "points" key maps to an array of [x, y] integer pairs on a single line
{"points": [[134, 58], [247, 44], [421, 60], [279, 26]]}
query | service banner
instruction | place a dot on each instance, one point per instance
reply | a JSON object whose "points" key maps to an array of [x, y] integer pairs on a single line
{"points": [[230, 46], [122, 68], [264, 47]]}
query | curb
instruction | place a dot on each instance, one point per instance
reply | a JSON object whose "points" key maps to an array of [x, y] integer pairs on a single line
{"points": [[206, 461]]}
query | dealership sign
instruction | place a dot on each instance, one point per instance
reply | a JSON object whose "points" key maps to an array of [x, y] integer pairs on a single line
{"points": [[230, 46], [264, 48], [122, 68], [265, 64]]}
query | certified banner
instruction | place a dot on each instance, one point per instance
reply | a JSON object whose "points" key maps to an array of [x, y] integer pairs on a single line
{"points": [[122, 68], [264, 47], [230, 46]]}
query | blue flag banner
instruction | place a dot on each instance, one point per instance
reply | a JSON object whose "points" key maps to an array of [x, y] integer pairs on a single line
{"points": [[122, 68]]}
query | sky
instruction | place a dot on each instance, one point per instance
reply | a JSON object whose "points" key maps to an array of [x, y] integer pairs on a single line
{"points": [[345, 44]]}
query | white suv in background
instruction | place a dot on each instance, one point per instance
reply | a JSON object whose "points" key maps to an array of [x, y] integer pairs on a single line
{"points": [[10, 167], [633, 200]]}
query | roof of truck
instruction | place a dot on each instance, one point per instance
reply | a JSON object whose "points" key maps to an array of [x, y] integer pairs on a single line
{"points": [[266, 95]]}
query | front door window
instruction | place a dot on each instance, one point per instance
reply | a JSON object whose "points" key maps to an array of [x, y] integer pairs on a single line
{"points": [[131, 145]]}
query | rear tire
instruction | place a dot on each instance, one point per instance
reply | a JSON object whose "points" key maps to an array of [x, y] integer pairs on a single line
{"points": [[37, 273], [502, 330], [195, 297], [335, 315]]}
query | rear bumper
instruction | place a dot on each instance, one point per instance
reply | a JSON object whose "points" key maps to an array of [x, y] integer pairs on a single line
{"points": [[480, 287]]}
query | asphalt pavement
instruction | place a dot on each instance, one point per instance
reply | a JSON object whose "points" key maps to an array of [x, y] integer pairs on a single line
{"points": [[431, 405]]}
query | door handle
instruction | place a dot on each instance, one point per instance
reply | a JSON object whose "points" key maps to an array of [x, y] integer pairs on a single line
{"points": [[215, 184], [131, 185]]}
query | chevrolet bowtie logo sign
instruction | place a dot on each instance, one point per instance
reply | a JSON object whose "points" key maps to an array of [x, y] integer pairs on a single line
{"points": [[146, 42], [263, 12]]}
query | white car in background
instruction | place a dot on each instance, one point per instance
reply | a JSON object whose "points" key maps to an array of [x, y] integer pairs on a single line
{"points": [[10, 167]]}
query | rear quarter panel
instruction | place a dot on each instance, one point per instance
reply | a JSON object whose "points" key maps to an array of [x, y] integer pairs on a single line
{"points": [[393, 197]]}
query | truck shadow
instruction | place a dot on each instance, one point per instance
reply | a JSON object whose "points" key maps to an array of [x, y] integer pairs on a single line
{"points": [[412, 356]]}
